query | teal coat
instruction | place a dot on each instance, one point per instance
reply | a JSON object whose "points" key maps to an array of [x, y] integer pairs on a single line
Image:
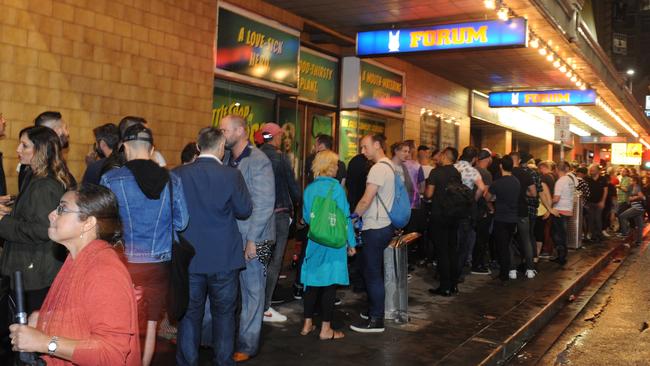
{"points": [[324, 266]]}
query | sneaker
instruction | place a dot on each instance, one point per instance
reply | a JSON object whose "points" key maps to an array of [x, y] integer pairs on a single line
{"points": [[408, 277], [298, 292], [481, 271], [272, 316], [606, 234], [545, 255], [530, 274], [512, 274], [337, 301], [364, 315], [373, 325]]}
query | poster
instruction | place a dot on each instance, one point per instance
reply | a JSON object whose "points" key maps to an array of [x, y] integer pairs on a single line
{"points": [[251, 47], [319, 78], [352, 129], [381, 89], [256, 110], [291, 133]]}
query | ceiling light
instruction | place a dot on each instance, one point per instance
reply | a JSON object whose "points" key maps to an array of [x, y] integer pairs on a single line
{"points": [[490, 4], [589, 120], [583, 87], [618, 119], [647, 146], [550, 57], [563, 68], [542, 51], [578, 131], [578, 83], [503, 13], [630, 72], [556, 64], [569, 74], [534, 43]]}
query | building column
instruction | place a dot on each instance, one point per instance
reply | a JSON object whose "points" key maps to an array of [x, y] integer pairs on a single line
{"points": [[498, 141]]}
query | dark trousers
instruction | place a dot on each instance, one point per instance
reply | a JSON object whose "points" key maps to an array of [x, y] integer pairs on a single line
{"points": [[594, 220], [559, 234], [446, 244], [482, 238], [275, 265], [372, 264], [466, 238], [222, 288], [532, 222], [503, 233], [327, 296], [523, 243]]}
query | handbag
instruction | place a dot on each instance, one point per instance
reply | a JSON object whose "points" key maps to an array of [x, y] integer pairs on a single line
{"points": [[178, 296], [328, 224]]}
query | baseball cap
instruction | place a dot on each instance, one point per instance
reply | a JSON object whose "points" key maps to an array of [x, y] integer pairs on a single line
{"points": [[138, 132], [271, 129], [484, 154], [258, 138]]}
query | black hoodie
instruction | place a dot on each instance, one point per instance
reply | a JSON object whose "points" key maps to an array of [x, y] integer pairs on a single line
{"points": [[151, 178]]}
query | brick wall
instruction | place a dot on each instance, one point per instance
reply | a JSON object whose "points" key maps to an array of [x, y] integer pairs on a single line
{"points": [[99, 60]]}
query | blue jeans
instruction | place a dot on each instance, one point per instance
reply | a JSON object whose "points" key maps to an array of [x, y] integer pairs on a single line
{"points": [[372, 263], [252, 285], [221, 288], [635, 214]]}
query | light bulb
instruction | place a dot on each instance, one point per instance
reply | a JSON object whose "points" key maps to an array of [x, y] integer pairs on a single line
{"points": [[490, 4], [563, 68], [542, 51], [574, 78], [583, 87], [534, 43], [556, 63], [578, 83], [503, 13], [549, 58]]}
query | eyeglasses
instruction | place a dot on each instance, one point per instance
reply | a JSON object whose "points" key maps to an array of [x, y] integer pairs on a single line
{"points": [[60, 210]]}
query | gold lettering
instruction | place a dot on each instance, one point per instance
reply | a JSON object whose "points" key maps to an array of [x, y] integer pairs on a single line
{"points": [[415, 39], [444, 37], [240, 37], [479, 35]]}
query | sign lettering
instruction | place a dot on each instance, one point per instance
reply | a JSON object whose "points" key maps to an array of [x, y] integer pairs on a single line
{"points": [[545, 98]]}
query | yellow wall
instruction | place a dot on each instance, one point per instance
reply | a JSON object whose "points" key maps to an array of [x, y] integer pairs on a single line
{"points": [[99, 60]]}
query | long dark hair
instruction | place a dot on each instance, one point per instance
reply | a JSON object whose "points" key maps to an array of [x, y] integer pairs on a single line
{"points": [[100, 203], [48, 159]]}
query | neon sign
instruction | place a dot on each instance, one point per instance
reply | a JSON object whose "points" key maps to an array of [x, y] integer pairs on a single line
{"points": [[490, 33], [546, 98]]}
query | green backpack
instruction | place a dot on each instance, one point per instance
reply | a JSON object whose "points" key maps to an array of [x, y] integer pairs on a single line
{"points": [[328, 224]]}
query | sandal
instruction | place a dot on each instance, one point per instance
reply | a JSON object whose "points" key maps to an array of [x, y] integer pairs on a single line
{"points": [[335, 335], [303, 333]]}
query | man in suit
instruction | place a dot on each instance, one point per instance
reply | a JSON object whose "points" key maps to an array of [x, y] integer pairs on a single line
{"points": [[258, 231], [214, 270]]}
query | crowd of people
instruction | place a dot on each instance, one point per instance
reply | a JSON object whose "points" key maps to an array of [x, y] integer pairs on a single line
{"points": [[100, 263]]}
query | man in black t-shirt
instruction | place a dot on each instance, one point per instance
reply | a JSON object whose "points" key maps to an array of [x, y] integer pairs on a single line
{"points": [[505, 191], [598, 189], [528, 189], [444, 230]]}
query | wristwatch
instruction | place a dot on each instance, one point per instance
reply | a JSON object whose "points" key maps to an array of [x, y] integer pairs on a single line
{"points": [[52, 346]]}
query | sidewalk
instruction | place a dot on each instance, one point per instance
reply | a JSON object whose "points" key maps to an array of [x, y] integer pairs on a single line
{"points": [[478, 326]]}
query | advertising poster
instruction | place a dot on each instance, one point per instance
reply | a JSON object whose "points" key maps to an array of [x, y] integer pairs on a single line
{"points": [[254, 109], [319, 78], [353, 128], [291, 138], [381, 89], [251, 47]]}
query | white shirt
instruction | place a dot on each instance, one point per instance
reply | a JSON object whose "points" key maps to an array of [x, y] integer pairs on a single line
{"points": [[381, 175], [565, 188], [210, 156]]}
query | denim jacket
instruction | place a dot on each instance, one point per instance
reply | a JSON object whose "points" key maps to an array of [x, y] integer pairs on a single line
{"points": [[147, 223]]}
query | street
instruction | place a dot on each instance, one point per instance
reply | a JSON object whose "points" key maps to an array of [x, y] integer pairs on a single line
{"points": [[613, 328]]}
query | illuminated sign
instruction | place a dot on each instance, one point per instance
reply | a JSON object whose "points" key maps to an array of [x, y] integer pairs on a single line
{"points": [[547, 98], [489, 33], [627, 154]]}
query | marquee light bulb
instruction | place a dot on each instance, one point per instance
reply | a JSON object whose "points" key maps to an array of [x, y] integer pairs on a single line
{"points": [[563, 68], [503, 13], [556, 64], [578, 83], [583, 87], [534, 43], [490, 4], [569, 74], [550, 57], [542, 51], [574, 78]]}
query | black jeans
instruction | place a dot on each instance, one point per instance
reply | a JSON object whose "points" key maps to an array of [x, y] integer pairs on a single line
{"points": [[503, 233], [327, 296], [559, 234], [446, 245], [482, 238]]}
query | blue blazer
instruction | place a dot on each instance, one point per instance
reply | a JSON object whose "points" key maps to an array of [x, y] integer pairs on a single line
{"points": [[216, 197]]}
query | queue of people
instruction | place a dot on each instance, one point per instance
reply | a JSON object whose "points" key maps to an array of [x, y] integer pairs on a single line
{"points": [[98, 258]]}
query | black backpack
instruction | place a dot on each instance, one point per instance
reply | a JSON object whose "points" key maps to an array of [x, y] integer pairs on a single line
{"points": [[458, 200]]}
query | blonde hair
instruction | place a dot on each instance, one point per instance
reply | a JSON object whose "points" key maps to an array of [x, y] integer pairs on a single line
{"points": [[326, 164]]}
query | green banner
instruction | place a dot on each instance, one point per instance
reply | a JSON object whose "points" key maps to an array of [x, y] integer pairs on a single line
{"points": [[254, 109], [352, 129], [381, 89], [249, 47], [319, 78]]}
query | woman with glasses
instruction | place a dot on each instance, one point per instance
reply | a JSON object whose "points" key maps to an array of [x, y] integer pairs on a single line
{"points": [[27, 247], [89, 316]]}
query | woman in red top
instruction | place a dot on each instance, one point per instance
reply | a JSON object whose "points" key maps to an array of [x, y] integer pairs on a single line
{"points": [[89, 316]]}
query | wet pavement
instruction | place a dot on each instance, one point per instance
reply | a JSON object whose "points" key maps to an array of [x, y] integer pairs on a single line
{"points": [[613, 328], [461, 330]]}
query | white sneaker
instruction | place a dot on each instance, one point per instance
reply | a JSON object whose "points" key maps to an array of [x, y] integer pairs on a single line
{"points": [[513, 274], [606, 234], [530, 274], [272, 316]]}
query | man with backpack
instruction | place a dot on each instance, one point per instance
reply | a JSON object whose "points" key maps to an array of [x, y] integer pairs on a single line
{"points": [[375, 210], [451, 201]]}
